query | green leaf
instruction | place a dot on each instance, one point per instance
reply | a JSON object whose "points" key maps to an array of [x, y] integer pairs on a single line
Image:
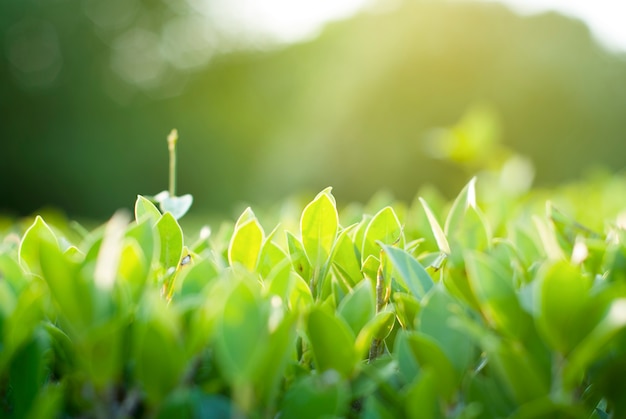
{"points": [[319, 225], [48, 403], [276, 353], [407, 306], [492, 285], [72, 294], [100, 353], [317, 396], [421, 400], [280, 279], [145, 236], [242, 333], [332, 342], [436, 315], [27, 375], [370, 267], [24, 318], [518, 370], [411, 272], [29, 247], [563, 297], [377, 328], [417, 352], [194, 280], [145, 209], [440, 236], [177, 205], [358, 307], [245, 244], [298, 257], [383, 228], [270, 256], [466, 199], [171, 239], [300, 298], [595, 344], [155, 343], [345, 259], [133, 268]]}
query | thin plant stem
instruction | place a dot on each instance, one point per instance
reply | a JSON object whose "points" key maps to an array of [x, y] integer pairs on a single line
{"points": [[172, 139]]}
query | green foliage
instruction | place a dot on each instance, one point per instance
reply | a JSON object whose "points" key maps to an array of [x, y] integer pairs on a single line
{"points": [[393, 316]]}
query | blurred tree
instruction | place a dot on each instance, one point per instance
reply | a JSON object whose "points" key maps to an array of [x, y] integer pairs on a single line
{"points": [[90, 89]]}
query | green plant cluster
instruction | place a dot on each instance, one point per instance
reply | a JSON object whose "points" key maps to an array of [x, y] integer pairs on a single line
{"points": [[428, 310]]}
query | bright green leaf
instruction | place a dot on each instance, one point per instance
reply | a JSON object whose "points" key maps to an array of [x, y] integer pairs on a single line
{"points": [[319, 225], [245, 244], [384, 228], [29, 247], [171, 239], [144, 208], [440, 237]]}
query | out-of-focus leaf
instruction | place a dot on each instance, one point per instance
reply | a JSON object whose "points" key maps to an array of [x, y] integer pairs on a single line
{"points": [[407, 307], [271, 255], [421, 401], [72, 294], [332, 342], [145, 236], [416, 352], [435, 318], [358, 307], [241, 334], [595, 344], [563, 294], [496, 295], [29, 247], [156, 342], [370, 267], [300, 297], [317, 396], [276, 353], [27, 375]]}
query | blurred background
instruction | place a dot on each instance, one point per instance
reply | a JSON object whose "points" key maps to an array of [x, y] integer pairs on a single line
{"points": [[275, 97]]}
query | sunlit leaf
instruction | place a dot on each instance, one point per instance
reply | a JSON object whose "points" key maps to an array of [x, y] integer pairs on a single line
{"points": [[319, 225], [245, 245], [145, 209], [440, 237], [29, 247], [177, 205], [171, 240], [384, 228]]}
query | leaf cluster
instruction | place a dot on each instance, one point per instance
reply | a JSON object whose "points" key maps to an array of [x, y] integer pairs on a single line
{"points": [[431, 310]]}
